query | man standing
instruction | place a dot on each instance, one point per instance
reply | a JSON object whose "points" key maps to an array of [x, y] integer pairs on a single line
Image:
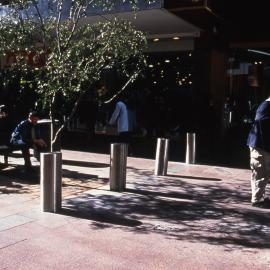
{"points": [[259, 144], [120, 117], [25, 136], [125, 118]]}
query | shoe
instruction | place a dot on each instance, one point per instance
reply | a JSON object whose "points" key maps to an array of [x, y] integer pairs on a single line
{"points": [[267, 202], [258, 204], [28, 169], [262, 204]]}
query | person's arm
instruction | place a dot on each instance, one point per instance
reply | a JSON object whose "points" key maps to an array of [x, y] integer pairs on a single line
{"points": [[40, 142], [115, 115], [15, 135], [20, 134], [39, 138]]}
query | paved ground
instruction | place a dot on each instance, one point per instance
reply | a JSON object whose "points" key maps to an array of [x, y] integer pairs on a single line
{"points": [[197, 217]]}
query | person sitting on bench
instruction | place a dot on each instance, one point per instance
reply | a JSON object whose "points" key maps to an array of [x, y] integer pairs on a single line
{"points": [[27, 135]]}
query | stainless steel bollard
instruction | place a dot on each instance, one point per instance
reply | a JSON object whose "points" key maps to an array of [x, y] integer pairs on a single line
{"points": [[191, 148], [51, 182], [230, 117], [58, 181], [162, 156], [118, 165]]}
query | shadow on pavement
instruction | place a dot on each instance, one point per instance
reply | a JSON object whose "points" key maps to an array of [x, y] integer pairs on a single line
{"points": [[172, 194], [100, 216], [194, 177], [14, 181], [83, 177], [198, 212], [17, 172], [84, 164]]}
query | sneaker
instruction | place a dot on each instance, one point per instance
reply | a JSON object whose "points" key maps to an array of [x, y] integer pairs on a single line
{"points": [[267, 201], [262, 204], [28, 169]]}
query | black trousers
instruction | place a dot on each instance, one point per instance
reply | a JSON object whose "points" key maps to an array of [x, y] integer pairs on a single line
{"points": [[25, 149], [126, 137]]}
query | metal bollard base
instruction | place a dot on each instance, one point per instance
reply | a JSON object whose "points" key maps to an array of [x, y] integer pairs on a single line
{"points": [[118, 164], [51, 182], [191, 148], [162, 156]]}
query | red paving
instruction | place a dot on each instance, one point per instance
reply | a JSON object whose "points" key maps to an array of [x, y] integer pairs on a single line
{"points": [[196, 217]]}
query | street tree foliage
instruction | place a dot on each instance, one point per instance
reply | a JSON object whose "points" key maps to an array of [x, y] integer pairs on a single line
{"points": [[68, 51]]}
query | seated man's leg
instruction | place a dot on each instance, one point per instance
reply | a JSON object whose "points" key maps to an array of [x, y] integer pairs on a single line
{"points": [[38, 150], [26, 155]]}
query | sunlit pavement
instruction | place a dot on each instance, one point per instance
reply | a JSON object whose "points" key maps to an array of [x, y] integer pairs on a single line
{"points": [[196, 217]]}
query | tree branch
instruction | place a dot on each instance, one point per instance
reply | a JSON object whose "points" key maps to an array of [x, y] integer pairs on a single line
{"points": [[74, 109], [41, 23], [130, 80], [60, 4]]}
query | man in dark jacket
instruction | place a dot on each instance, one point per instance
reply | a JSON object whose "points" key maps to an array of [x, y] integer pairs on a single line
{"points": [[26, 135], [259, 144]]}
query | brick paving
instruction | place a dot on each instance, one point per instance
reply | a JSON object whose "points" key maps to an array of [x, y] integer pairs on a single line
{"points": [[74, 181], [196, 217]]}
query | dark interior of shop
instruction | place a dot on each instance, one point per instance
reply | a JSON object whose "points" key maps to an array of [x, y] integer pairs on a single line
{"points": [[168, 103]]}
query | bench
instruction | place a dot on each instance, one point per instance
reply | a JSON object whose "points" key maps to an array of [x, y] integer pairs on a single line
{"points": [[6, 148], [5, 131], [6, 151]]}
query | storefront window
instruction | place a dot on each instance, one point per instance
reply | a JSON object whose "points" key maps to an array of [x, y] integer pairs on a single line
{"points": [[248, 84]]}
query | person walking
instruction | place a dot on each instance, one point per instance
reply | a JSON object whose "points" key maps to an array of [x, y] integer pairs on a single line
{"points": [[259, 145]]}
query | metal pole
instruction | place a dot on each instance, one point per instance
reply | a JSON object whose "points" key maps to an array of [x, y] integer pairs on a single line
{"points": [[51, 182], [191, 148], [118, 164], [57, 181], [162, 156], [46, 182], [230, 117]]}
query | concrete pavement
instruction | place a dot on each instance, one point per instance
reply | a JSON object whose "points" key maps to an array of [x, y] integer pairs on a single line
{"points": [[196, 217]]}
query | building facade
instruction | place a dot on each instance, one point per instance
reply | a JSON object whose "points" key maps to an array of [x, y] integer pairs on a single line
{"points": [[208, 63]]}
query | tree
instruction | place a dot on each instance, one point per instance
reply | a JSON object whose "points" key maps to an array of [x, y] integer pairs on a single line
{"points": [[67, 51]]}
